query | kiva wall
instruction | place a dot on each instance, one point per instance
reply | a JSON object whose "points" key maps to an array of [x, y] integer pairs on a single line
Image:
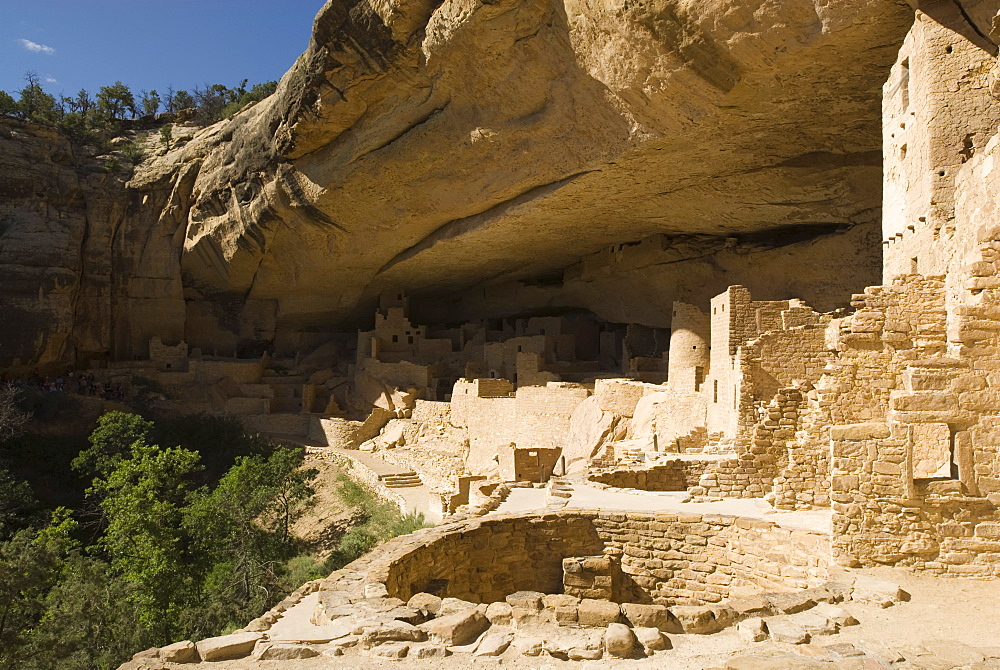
{"points": [[669, 559]]}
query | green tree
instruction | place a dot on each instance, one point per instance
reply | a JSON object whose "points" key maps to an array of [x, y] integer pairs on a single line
{"points": [[35, 104], [149, 102], [143, 499], [30, 566], [181, 100], [8, 106], [115, 101], [111, 441], [240, 531], [17, 505], [89, 621]]}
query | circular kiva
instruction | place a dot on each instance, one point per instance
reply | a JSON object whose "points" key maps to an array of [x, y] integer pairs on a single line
{"points": [[665, 559]]}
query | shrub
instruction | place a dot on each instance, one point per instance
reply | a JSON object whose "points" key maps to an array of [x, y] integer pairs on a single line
{"points": [[133, 153]]}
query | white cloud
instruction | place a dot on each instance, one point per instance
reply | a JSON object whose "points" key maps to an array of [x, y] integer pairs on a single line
{"points": [[37, 48], [49, 79]]}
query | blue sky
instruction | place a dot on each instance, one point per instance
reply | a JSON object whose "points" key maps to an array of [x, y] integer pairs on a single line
{"points": [[74, 44]]}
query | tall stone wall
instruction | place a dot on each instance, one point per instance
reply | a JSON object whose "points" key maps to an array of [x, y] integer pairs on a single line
{"points": [[544, 412], [938, 112]]}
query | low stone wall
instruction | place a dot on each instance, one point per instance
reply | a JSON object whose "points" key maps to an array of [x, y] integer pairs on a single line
{"points": [[360, 472], [334, 432], [282, 424], [673, 475], [666, 559]]}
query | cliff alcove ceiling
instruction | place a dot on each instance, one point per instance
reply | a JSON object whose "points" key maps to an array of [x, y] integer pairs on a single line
{"points": [[459, 147]]}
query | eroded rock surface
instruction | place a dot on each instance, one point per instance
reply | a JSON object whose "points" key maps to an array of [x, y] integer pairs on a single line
{"points": [[439, 145]]}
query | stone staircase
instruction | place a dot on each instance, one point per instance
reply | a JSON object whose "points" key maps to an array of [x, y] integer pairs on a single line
{"points": [[399, 480], [558, 492]]}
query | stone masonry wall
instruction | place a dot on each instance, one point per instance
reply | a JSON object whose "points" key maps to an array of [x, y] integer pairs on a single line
{"points": [[752, 472], [668, 559], [674, 475], [780, 357]]}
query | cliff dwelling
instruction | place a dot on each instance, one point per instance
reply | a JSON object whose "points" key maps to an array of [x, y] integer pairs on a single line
{"points": [[680, 322]]}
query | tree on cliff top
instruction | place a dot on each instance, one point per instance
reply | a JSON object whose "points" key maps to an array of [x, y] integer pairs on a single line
{"points": [[114, 101]]}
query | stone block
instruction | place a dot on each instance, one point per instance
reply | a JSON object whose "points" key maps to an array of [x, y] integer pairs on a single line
{"points": [[494, 643], [228, 647], [697, 619], [529, 646], [650, 616], [814, 623], [559, 600], [428, 651], [565, 616], [499, 614], [620, 641], [989, 530], [456, 629], [390, 650], [427, 603], [375, 590], [651, 639], [843, 650], [859, 431], [282, 651], [451, 606], [531, 600], [598, 613], [393, 631], [522, 618], [750, 606], [838, 615], [180, 652], [790, 603], [752, 629], [781, 629]]}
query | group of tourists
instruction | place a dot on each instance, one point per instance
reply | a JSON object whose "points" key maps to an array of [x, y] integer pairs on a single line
{"points": [[80, 383]]}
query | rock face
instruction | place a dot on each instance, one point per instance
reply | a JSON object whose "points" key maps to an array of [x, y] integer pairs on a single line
{"points": [[519, 145]]}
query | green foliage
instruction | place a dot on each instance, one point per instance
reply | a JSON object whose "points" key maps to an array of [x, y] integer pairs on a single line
{"points": [[167, 135], [17, 505], [133, 153], [143, 498], [220, 440], [353, 494], [149, 103], [180, 100], [178, 551], [241, 97], [89, 621], [111, 165], [115, 102], [35, 104], [8, 106], [30, 566], [111, 441], [85, 119], [376, 522], [240, 532]]}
